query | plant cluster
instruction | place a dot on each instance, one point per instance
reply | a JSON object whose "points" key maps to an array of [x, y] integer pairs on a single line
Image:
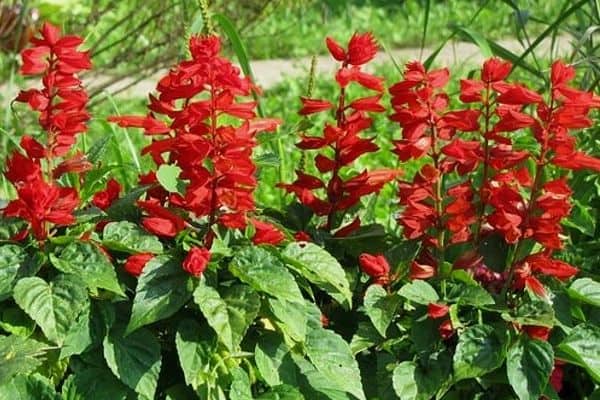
{"points": [[183, 287]]}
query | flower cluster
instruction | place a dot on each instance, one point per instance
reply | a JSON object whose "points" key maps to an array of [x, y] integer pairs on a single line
{"points": [[61, 104], [199, 99], [341, 143]]}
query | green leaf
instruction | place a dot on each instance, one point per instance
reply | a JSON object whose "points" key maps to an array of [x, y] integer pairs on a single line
{"points": [[419, 292], [9, 227], [295, 318], [320, 268], [196, 346], [162, 289], [11, 259], [585, 290], [474, 295], [125, 208], [14, 320], [366, 336], [90, 329], [19, 355], [94, 383], [533, 312], [265, 273], [282, 392], [582, 219], [480, 350], [274, 361], [98, 149], [127, 237], [87, 262], [380, 307], [229, 315], [478, 39], [134, 359], [332, 357], [53, 306], [238, 47], [528, 366], [29, 387], [582, 347], [240, 386], [168, 177]]}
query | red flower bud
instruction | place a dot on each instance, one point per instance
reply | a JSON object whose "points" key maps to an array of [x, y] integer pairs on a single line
{"points": [[266, 233], [376, 266], [196, 261], [445, 329], [537, 332], [136, 263], [311, 106], [106, 197], [435, 311], [421, 271]]}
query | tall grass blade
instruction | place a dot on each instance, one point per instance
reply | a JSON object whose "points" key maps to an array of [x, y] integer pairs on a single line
{"points": [[239, 48]]}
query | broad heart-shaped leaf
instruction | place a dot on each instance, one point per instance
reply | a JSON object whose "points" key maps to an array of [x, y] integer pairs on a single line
{"points": [[134, 359], [265, 273], [168, 177], [419, 292], [320, 268], [162, 289], [94, 383], [480, 350], [196, 346], [582, 347], [528, 366], [332, 357], [53, 306], [585, 290], [229, 315], [86, 261], [18, 355], [11, 258], [380, 307], [294, 319], [274, 361], [28, 387], [420, 380], [127, 237]]}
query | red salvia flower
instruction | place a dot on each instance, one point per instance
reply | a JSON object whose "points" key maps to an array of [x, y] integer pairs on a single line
{"points": [[104, 198], [134, 265], [266, 233], [61, 104], [196, 261], [376, 266], [341, 144], [435, 311], [187, 130]]}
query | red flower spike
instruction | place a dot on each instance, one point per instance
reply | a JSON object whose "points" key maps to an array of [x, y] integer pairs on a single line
{"points": [[214, 153], [62, 116], [134, 265], [343, 138], [436, 311], [196, 261]]}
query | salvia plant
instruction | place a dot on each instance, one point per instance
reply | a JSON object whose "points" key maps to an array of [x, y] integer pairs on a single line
{"points": [[183, 287]]}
